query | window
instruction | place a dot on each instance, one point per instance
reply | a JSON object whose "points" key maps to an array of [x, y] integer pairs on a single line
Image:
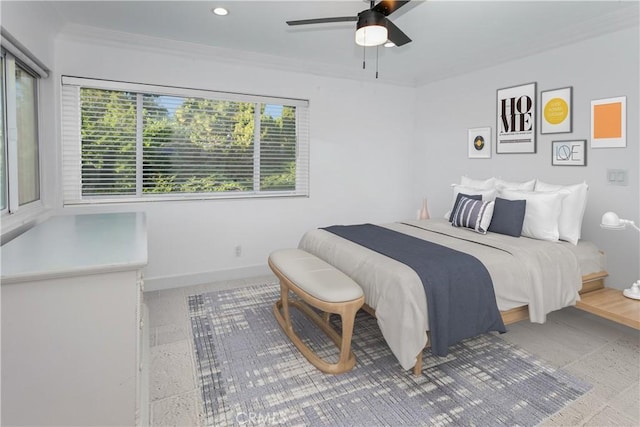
{"points": [[19, 162], [27, 132], [132, 142], [3, 155]]}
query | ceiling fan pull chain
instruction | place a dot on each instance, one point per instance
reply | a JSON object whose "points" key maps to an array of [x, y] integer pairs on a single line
{"points": [[364, 57], [377, 50]]}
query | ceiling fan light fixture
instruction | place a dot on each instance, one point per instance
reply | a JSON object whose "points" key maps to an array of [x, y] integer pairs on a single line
{"points": [[389, 44], [371, 28], [220, 11]]}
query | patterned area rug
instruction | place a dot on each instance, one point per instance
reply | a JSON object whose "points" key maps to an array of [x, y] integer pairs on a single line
{"points": [[251, 374]]}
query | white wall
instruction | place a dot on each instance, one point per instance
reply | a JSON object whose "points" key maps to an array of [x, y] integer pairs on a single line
{"points": [[363, 168], [602, 67], [361, 135], [34, 25]]}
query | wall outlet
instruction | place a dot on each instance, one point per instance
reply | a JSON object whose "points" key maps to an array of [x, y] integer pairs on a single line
{"points": [[238, 251]]}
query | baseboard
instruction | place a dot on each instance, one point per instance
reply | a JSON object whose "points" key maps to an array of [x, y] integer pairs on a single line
{"points": [[184, 280], [143, 402]]}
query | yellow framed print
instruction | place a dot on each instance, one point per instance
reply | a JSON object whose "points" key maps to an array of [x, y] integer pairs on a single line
{"points": [[556, 110]]}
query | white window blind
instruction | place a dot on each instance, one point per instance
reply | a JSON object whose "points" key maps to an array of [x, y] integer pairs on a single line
{"points": [[132, 142]]}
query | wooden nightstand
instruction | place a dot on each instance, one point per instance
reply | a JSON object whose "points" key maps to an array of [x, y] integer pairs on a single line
{"points": [[611, 304]]}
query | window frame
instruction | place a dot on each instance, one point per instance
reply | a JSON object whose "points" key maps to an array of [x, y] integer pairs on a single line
{"points": [[4, 179], [72, 142], [10, 136]]}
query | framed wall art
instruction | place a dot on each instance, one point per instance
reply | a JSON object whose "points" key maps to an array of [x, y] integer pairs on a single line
{"points": [[569, 153], [479, 143], [609, 123], [556, 110], [516, 123]]}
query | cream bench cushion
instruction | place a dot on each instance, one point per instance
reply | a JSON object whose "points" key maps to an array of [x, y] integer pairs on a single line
{"points": [[315, 276]]}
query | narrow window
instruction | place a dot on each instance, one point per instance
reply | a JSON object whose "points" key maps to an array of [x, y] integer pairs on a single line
{"points": [[3, 141], [27, 133]]}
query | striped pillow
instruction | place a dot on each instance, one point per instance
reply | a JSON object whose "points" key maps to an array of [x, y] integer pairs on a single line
{"points": [[473, 214]]}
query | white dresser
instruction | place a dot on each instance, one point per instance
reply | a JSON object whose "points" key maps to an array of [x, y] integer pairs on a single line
{"points": [[72, 320]]}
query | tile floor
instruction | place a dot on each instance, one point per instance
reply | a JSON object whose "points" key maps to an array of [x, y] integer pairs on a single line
{"points": [[605, 354]]}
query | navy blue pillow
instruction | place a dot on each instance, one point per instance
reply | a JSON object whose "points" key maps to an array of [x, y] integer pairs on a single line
{"points": [[458, 197], [508, 216]]}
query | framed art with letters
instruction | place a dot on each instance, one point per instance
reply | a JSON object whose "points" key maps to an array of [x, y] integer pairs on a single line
{"points": [[569, 153], [516, 124]]}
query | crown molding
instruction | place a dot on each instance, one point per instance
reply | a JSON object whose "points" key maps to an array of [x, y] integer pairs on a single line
{"points": [[117, 39], [619, 19]]}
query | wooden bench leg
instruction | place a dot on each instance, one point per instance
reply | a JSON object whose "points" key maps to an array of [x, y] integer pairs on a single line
{"points": [[348, 318], [284, 297], [347, 359]]}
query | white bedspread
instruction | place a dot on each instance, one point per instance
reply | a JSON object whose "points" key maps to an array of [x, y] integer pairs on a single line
{"points": [[544, 275]]}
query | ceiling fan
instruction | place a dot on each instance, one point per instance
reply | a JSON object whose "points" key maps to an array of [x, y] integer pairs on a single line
{"points": [[373, 28]]}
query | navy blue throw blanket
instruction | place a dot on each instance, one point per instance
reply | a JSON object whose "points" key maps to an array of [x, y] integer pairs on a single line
{"points": [[459, 290]]}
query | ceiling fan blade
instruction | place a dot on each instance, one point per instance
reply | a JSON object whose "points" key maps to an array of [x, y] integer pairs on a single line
{"points": [[387, 7], [323, 20], [396, 35]]}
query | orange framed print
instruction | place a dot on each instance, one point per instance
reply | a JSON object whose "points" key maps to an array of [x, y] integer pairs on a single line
{"points": [[609, 123], [556, 110]]}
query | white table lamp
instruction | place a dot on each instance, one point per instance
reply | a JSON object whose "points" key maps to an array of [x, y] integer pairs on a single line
{"points": [[611, 221]]}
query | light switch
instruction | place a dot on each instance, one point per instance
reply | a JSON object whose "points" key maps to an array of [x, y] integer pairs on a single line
{"points": [[617, 177]]}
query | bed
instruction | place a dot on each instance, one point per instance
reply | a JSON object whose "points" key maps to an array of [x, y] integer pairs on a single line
{"points": [[531, 277]]}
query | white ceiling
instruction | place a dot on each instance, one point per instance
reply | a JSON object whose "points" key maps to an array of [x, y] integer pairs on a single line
{"points": [[449, 37]]}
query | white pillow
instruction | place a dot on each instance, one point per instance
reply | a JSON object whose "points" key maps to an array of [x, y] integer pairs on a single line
{"points": [[573, 207], [488, 195], [541, 214], [482, 184], [521, 186]]}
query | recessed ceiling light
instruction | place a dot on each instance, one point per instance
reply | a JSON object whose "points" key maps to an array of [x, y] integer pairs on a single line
{"points": [[220, 11], [389, 44]]}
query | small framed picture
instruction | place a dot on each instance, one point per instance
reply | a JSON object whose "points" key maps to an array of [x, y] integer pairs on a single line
{"points": [[479, 143], [569, 153], [556, 110], [609, 123]]}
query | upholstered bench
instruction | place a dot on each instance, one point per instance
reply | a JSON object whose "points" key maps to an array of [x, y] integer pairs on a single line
{"points": [[322, 286]]}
